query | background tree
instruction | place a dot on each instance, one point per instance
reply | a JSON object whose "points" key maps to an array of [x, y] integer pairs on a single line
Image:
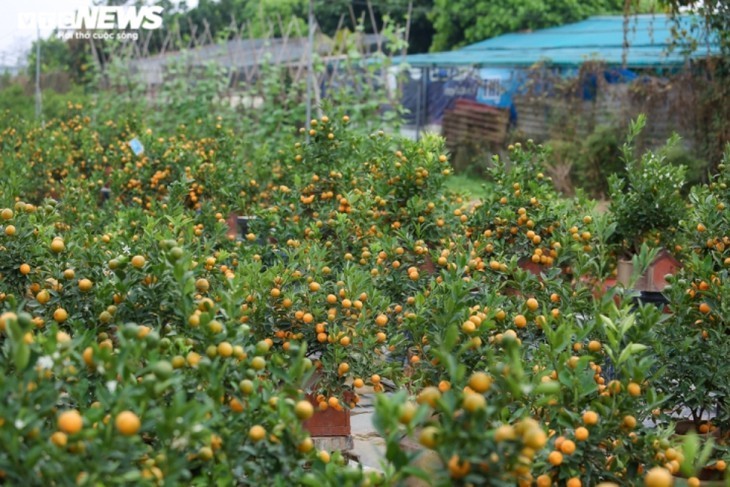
{"points": [[460, 22], [328, 14]]}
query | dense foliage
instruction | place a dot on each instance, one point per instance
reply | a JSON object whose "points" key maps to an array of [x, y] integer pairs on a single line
{"points": [[144, 341]]}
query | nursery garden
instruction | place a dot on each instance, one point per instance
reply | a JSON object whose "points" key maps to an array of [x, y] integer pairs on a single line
{"points": [[182, 299]]}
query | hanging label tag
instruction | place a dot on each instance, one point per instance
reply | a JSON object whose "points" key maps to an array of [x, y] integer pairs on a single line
{"points": [[136, 146]]}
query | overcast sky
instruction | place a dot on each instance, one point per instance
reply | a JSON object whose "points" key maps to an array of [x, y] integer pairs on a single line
{"points": [[15, 40]]}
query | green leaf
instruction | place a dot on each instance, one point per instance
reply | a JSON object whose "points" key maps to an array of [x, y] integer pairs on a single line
{"points": [[631, 349]]}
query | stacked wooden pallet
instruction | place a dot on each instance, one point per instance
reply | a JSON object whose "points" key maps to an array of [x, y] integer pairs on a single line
{"points": [[474, 123]]}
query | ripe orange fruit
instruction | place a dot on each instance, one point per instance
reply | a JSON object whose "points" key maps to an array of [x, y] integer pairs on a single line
{"points": [[88, 356], [57, 245], [458, 469], [532, 304], [85, 285], [573, 482], [324, 456], [205, 453], [304, 410], [202, 284], [555, 458], [258, 363], [590, 418], [24, 269], [658, 477], [60, 315], [70, 421], [573, 361], [629, 422], [544, 480], [429, 395], [504, 432], [534, 438], [43, 296], [480, 382], [225, 349], [235, 405], [705, 308], [520, 321], [6, 214], [381, 320], [568, 447], [473, 402], [59, 439], [406, 412], [428, 437], [614, 387], [127, 423], [10, 230], [193, 359], [256, 433], [138, 261], [634, 389], [581, 433], [306, 445]]}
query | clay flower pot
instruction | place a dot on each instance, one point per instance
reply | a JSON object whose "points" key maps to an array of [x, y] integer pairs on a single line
{"points": [[653, 280], [330, 422]]}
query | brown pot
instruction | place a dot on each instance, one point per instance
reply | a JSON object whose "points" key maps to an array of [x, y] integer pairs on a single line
{"points": [[528, 265], [707, 477], [653, 279], [329, 422], [232, 222], [238, 226], [684, 426], [428, 267]]}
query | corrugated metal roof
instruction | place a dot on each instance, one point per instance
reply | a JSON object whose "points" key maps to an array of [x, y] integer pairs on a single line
{"points": [[599, 38]]}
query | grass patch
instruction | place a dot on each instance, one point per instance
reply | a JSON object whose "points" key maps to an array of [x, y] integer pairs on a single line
{"points": [[467, 185]]}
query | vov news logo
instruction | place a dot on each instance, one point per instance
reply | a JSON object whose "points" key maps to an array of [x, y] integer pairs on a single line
{"points": [[95, 22]]}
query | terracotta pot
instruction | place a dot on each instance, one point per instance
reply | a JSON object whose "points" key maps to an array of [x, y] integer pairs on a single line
{"points": [[707, 477], [684, 426], [238, 226], [232, 223], [653, 280], [428, 267], [329, 422], [528, 265]]}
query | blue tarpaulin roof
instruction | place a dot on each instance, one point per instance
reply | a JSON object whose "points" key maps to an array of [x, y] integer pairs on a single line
{"points": [[596, 38]]}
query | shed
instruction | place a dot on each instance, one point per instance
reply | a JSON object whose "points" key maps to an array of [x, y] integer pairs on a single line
{"points": [[637, 41], [492, 71]]}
